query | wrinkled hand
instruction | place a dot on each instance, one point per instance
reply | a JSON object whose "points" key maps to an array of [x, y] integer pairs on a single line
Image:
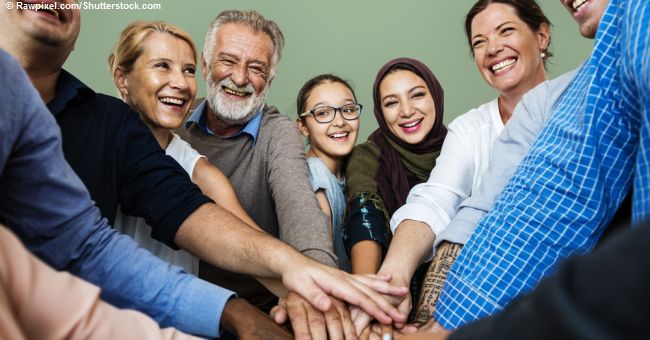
{"points": [[309, 323], [316, 282], [247, 322]]}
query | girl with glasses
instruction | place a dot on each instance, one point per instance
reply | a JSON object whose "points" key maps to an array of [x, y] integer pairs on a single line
{"points": [[328, 115]]}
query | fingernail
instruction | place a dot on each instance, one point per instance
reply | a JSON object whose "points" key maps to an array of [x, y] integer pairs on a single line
{"points": [[386, 337]]}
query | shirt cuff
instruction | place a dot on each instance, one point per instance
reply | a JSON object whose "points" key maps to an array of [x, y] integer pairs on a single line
{"points": [[460, 303], [201, 308], [321, 256]]}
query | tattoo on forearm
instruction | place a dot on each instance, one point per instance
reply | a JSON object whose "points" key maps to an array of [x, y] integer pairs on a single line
{"points": [[435, 278]]}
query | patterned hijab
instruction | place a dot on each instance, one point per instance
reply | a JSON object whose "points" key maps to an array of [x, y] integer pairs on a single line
{"points": [[403, 165]]}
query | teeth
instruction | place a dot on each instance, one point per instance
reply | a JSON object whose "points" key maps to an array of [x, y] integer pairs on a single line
{"points": [[339, 135], [173, 101], [48, 10], [234, 92], [51, 11], [578, 3], [409, 125], [498, 67]]}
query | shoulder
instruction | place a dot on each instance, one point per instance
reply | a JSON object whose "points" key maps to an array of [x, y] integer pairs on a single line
{"points": [[110, 103], [315, 164], [179, 146], [551, 87], [561, 82], [363, 159], [113, 111], [317, 169], [476, 118], [318, 173], [273, 119], [278, 131], [365, 149]]}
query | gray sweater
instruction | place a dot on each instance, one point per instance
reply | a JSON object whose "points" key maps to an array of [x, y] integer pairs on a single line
{"points": [[509, 149], [271, 180]]}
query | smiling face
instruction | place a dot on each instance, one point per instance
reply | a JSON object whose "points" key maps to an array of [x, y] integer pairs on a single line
{"points": [[336, 138], [162, 84], [407, 106], [238, 76], [54, 29], [506, 51], [587, 13]]}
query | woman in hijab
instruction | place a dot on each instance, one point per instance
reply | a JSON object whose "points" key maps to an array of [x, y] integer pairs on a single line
{"points": [[509, 41], [408, 105]]}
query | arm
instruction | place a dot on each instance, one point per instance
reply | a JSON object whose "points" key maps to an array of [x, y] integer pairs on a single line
{"points": [[214, 184], [577, 302], [49, 208], [302, 223], [365, 230], [46, 304], [432, 204], [232, 244], [365, 233], [508, 150], [404, 256], [454, 308], [366, 257], [325, 206]]}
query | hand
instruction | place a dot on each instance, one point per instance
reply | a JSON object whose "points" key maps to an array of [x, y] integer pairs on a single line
{"points": [[315, 282], [310, 323], [247, 322], [403, 304], [377, 331], [431, 330]]}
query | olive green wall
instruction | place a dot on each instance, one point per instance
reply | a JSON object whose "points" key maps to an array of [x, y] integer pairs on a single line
{"points": [[351, 38]]}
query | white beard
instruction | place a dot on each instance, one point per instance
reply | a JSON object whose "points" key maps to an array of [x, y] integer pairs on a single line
{"points": [[233, 111]]}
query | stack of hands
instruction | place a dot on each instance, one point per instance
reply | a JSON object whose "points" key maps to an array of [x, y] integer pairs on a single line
{"points": [[346, 306]]}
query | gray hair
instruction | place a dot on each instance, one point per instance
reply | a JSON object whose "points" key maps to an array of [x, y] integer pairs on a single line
{"points": [[254, 21]]}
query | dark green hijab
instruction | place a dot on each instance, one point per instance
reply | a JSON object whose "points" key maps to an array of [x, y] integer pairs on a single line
{"points": [[403, 165]]}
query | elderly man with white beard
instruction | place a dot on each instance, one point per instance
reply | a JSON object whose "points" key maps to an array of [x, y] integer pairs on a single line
{"points": [[261, 152]]}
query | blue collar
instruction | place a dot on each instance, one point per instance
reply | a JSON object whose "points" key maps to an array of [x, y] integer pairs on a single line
{"points": [[198, 117]]}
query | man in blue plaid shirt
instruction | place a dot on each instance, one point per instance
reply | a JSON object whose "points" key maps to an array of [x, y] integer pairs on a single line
{"points": [[570, 184]]}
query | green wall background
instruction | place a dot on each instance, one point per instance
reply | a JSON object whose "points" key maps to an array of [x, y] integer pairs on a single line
{"points": [[350, 38]]}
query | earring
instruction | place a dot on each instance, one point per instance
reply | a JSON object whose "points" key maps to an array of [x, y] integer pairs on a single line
{"points": [[123, 91]]}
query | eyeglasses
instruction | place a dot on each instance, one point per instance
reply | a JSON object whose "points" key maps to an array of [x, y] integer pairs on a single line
{"points": [[326, 114]]}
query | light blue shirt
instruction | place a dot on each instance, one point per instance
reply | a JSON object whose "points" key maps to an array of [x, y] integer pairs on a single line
{"points": [[322, 179], [198, 117]]}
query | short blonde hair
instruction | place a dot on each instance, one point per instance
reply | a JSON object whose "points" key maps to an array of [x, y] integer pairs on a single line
{"points": [[131, 44]]}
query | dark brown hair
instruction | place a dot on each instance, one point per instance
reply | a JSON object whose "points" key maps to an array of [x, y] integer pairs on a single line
{"points": [[527, 10], [306, 89]]}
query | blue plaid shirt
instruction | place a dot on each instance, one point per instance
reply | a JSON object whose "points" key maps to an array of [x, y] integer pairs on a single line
{"points": [[568, 187]]}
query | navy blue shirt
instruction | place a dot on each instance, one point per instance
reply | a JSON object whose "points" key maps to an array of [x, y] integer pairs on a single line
{"points": [[47, 206], [119, 160]]}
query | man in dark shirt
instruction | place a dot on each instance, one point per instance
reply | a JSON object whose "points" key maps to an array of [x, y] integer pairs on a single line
{"points": [[119, 161]]}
